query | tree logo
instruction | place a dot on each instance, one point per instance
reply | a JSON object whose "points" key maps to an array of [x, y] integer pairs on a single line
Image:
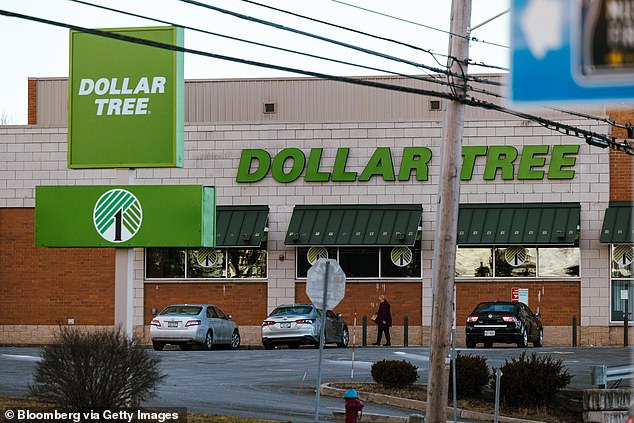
{"points": [[315, 253], [623, 255], [207, 257], [401, 256], [117, 215], [515, 256]]}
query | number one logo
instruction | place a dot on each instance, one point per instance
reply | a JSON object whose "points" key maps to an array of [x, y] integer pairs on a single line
{"points": [[515, 256], [117, 215], [401, 256], [623, 255], [207, 257]]}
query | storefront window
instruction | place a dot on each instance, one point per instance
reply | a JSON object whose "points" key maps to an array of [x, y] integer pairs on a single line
{"points": [[205, 263], [306, 255], [249, 263], [622, 280], [359, 262], [474, 262], [206, 266], [164, 263], [401, 262], [515, 261], [554, 262]]}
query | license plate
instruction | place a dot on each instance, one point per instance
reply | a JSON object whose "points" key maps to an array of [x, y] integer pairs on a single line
{"points": [[172, 324], [489, 333], [285, 325]]}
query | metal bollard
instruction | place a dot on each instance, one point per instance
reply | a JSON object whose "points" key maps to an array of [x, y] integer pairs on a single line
{"points": [[498, 377], [364, 331], [626, 323], [405, 331], [574, 331]]}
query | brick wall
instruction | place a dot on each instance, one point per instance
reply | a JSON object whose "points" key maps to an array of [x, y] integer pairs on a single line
{"points": [[621, 164], [245, 301], [46, 286], [558, 301], [32, 102], [405, 298]]}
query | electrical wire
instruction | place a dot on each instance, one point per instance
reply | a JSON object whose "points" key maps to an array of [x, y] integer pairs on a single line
{"points": [[579, 132], [420, 24], [332, 41], [356, 31], [420, 78], [610, 122]]}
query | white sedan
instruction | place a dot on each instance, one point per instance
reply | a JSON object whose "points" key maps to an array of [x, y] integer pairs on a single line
{"points": [[188, 324]]}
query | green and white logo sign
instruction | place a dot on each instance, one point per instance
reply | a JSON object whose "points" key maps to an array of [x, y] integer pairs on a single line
{"points": [[117, 215], [207, 257], [401, 256], [125, 216], [315, 253], [623, 255], [515, 256], [126, 100]]}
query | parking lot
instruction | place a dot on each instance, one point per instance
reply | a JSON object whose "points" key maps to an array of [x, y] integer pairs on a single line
{"points": [[266, 384]]}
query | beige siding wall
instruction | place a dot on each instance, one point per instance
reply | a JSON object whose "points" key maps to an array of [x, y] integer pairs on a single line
{"points": [[297, 100]]}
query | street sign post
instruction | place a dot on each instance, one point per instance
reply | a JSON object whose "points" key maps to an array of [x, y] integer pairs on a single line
{"points": [[566, 51], [326, 287]]}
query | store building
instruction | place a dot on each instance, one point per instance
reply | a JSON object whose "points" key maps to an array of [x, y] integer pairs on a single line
{"points": [[306, 168]]}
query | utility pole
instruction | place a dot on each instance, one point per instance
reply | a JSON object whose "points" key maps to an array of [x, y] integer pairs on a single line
{"points": [[446, 230]]}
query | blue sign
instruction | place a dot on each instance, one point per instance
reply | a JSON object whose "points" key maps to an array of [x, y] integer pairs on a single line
{"points": [[565, 51]]}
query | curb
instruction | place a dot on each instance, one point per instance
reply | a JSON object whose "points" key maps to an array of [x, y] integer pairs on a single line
{"points": [[411, 404]]}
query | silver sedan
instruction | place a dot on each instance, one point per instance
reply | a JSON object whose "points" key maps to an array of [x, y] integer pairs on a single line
{"points": [[188, 324], [295, 324]]}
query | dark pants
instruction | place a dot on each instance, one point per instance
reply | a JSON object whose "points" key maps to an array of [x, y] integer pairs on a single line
{"points": [[382, 330]]}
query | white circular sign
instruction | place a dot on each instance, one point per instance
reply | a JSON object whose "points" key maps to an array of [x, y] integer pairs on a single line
{"points": [[515, 256], [207, 257], [401, 256], [117, 215], [334, 284], [623, 255], [315, 253]]}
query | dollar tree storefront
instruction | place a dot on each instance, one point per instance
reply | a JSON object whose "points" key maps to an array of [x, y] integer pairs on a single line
{"points": [[307, 168]]}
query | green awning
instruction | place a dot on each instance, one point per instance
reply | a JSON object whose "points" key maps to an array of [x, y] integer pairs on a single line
{"points": [[618, 227], [354, 225], [518, 224], [240, 226]]}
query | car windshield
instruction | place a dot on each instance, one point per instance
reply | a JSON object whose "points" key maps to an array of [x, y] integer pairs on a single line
{"points": [[291, 310], [182, 310], [495, 308]]}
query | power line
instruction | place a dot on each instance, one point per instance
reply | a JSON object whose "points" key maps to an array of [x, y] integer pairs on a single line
{"points": [[420, 78], [610, 122], [367, 34], [419, 24], [332, 41], [591, 137]]}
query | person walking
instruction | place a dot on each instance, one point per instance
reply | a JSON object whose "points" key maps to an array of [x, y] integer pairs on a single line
{"points": [[353, 406], [384, 321]]}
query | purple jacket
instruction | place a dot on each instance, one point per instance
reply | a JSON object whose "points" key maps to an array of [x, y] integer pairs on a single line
{"points": [[383, 315]]}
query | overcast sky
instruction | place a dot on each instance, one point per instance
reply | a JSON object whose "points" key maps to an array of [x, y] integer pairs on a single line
{"points": [[32, 49]]}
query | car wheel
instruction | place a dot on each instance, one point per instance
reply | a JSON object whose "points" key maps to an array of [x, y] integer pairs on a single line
{"points": [[540, 339], [235, 340], [209, 341], [488, 344], [158, 346], [470, 343], [345, 338], [268, 346], [523, 342], [185, 347]]}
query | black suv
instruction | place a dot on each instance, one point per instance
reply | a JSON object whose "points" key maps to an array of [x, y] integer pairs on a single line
{"points": [[506, 322]]}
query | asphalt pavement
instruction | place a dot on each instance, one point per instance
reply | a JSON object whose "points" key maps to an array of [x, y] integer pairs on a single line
{"points": [[280, 384]]}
